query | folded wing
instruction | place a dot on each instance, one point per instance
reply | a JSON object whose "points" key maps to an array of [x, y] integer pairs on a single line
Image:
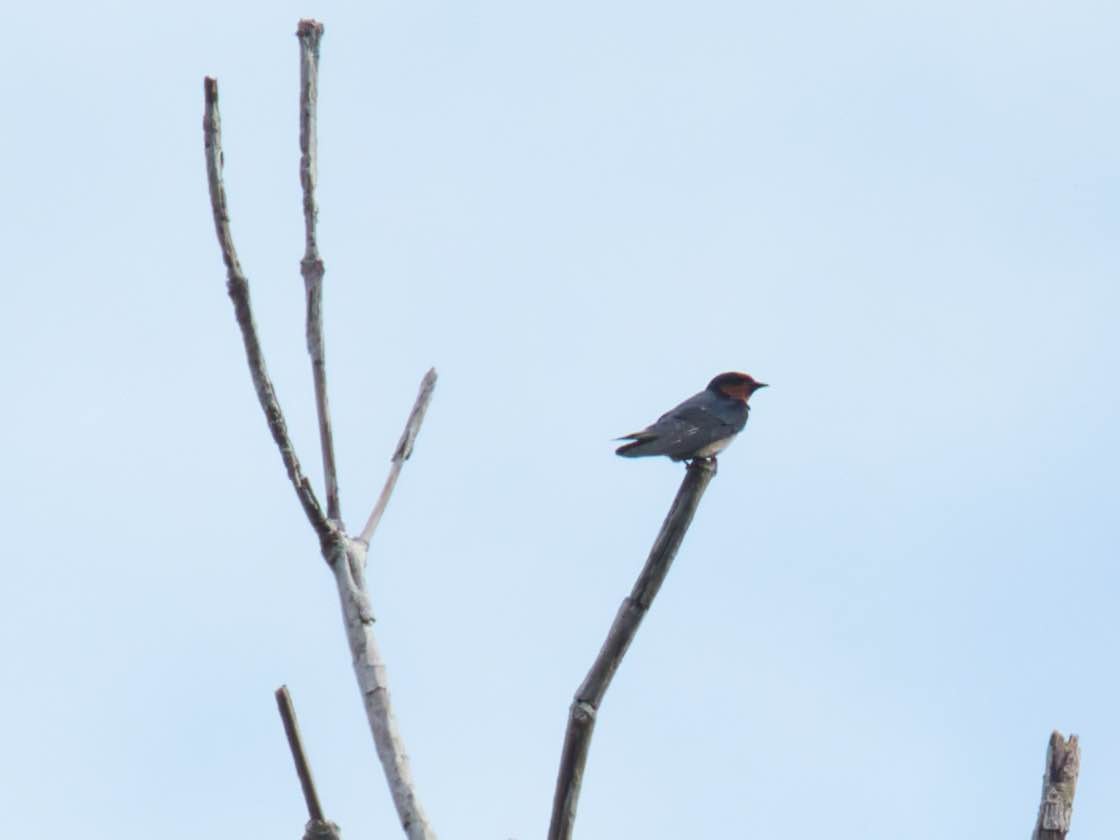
{"points": [[681, 433]]}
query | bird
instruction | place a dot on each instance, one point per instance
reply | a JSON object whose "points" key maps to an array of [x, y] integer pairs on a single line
{"points": [[701, 426]]}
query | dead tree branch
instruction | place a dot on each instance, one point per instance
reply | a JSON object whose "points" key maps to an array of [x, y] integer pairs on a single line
{"points": [[403, 453], [309, 33], [369, 669], [318, 826], [1059, 782], [238, 286], [346, 556], [589, 696]]}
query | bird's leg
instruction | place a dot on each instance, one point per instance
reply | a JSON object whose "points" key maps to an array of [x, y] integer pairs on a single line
{"points": [[709, 459]]}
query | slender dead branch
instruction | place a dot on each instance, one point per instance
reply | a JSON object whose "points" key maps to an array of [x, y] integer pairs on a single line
{"points": [[295, 743], [589, 696], [402, 452], [318, 827], [309, 33], [237, 285], [1059, 782]]}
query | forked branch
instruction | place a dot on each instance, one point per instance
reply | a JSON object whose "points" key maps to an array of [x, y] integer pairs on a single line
{"points": [[345, 555], [589, 696]]}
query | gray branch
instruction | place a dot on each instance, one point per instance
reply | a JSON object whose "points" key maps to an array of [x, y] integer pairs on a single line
{"points": [[369, 669], [589, 696], [309, 33], [402, 453], [1059, 782], [238, 286]]}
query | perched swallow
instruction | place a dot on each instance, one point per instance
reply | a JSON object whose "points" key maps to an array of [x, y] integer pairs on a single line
{"points": [[700, 426]]}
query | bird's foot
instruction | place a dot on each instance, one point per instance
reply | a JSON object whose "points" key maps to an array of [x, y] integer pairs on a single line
{"points": [[708, 460]]}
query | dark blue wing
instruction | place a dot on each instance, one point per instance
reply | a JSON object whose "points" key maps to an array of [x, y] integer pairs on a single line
{"points": [[695, 424]]}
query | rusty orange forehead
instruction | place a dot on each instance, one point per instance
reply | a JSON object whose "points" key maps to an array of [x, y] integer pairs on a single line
{"points": [[735, 385], [737, 390]]}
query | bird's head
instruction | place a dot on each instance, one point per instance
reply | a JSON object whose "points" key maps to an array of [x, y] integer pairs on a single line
{"points": [[738, 386]]}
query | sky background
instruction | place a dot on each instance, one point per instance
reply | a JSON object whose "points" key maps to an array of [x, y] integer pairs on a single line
{"points": [[903, 216]]}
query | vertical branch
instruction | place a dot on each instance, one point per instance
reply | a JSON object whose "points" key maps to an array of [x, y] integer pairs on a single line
{"points": [[311, 266], [1059, 782], [346, 556], [589, 696]]}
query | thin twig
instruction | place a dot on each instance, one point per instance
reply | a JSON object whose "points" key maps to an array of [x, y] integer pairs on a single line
{"points": [[238, 287], [311, 267], [295, 742], [1059, 782], [402, 453], [589, 696]]}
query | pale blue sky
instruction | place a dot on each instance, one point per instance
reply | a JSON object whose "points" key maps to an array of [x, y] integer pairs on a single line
{"points": [[905, 217]]}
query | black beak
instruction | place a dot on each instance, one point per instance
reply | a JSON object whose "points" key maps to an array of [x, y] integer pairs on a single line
{"points": [[758, 385]]}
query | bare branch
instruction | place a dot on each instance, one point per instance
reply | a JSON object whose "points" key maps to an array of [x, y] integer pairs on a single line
{"points": [[295, 743], [403, 452], [357, 615], [318, 827], [344, 555], [309, 33], [238, 287], [369, 669], [589, 696], [1059, 781]]}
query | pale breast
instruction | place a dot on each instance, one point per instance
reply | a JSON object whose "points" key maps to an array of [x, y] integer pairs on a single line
{"points": [[714, 448]]}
